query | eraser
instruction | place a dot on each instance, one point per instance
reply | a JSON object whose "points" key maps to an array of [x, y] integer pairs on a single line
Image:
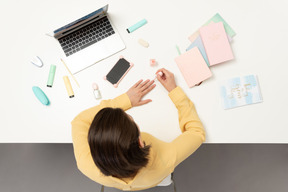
{"points": [[153, 62], [143, 43], [137, 25]]}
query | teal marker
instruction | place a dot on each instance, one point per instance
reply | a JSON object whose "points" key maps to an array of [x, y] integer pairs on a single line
{"points": [[137, 25], [51, 75]]}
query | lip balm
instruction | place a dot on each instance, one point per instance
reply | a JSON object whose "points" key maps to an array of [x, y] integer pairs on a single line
{"points": [[96, 91], [68, 87], [51, 75]]}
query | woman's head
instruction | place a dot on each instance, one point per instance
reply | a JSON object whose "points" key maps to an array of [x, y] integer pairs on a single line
{"points": [[114, 144]]}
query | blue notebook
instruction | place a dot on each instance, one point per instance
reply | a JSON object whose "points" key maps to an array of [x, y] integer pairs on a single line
{"points": [[240, 91], [198, 43]]}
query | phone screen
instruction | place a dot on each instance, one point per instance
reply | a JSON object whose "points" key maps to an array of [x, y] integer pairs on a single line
{"points": [[118, 71]]}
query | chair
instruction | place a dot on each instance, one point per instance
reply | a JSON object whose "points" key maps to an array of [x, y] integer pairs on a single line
{"points": [[166, 182]]}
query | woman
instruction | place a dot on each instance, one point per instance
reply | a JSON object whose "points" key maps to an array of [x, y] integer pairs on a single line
{"points": [[110, 149]]}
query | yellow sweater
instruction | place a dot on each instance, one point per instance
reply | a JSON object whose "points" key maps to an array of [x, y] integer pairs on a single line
{"points": [[163, 156]]}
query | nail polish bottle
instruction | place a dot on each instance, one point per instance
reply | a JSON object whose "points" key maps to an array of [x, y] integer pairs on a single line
{"points": [[96, 91]]}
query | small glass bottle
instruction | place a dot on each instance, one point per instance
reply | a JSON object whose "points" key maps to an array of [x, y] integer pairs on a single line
{"points": [[96, 91]]}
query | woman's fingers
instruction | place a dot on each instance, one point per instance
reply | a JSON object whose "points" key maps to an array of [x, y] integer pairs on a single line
{"points": [[138, 83], [147, 84], [143, 83], [142, 102], [149, 89]]}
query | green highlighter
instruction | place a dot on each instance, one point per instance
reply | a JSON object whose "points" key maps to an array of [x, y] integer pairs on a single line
{"points": [[51, 75]]}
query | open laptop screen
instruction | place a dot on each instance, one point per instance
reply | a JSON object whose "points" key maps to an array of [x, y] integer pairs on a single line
{"points": [[82, 20]]}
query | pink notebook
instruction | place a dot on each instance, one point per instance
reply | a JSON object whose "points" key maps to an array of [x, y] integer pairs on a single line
{"points": [[216, 43], [193, 67]]}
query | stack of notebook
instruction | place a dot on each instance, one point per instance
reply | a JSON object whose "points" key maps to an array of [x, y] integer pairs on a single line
{"points": [[210, 45]]}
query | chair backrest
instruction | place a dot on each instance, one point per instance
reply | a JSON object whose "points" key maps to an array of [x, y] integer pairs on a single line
{"points": [[167, 181]]}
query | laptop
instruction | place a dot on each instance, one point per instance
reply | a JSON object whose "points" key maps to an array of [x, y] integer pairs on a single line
{"points": [[88, 40]]}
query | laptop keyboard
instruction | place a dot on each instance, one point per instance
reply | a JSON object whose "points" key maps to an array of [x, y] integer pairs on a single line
{"points": [[86, 36]]}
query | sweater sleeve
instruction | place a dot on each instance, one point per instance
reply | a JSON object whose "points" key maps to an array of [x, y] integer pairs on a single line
{"points": [[82, 122], [193, 134]]}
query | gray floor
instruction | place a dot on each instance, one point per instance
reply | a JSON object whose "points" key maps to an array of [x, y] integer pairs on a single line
{"points": [[214, 167]]}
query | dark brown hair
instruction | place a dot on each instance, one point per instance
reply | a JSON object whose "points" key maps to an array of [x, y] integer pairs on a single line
{"points": [[114, 144]]}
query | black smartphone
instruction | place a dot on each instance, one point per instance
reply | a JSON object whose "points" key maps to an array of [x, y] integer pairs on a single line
{"points": [[117, 73]]}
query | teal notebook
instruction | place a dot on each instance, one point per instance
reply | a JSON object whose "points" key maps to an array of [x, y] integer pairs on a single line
{"points": [[217, 18]]}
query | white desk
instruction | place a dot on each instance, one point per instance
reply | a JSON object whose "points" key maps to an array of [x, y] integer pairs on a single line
{"points": [[260, 48]]}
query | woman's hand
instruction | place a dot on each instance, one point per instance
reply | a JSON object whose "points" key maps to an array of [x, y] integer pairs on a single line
{"points": [[137, 91], [167, 79]]}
